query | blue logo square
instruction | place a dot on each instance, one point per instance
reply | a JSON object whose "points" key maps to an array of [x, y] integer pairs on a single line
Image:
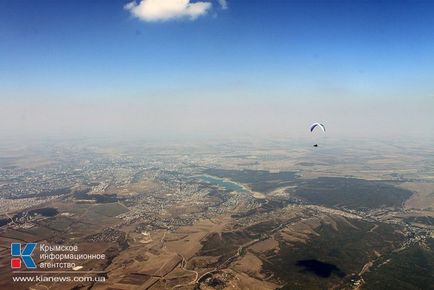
{"points": [[16, 249]]}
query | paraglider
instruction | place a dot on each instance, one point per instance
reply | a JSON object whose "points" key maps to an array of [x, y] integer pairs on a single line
{"points": [[317, 125]]}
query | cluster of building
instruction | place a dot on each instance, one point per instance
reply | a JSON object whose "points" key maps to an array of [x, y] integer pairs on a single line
{"points": [[107, 235]]}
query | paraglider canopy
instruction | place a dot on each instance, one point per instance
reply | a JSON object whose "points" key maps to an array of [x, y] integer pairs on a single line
{"points": [[317, 125], [314, 126]]}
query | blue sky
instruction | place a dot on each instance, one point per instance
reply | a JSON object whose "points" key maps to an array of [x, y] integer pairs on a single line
{"points": [[270, 58]]}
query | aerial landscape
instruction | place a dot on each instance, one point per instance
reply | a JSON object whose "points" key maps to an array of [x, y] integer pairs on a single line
{"points": [[178, 144], [266, 215]]}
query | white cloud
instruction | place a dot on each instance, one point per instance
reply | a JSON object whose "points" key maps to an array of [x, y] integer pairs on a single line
{"points": [[223, 4], [163, 10]]}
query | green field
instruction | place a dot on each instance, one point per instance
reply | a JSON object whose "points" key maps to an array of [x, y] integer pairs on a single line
{"points": [[412, 268], [351, 193], [110, 209], [332, 255]]}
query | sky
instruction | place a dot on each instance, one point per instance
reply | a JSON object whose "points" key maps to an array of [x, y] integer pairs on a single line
{"points": [[216, 68]]}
